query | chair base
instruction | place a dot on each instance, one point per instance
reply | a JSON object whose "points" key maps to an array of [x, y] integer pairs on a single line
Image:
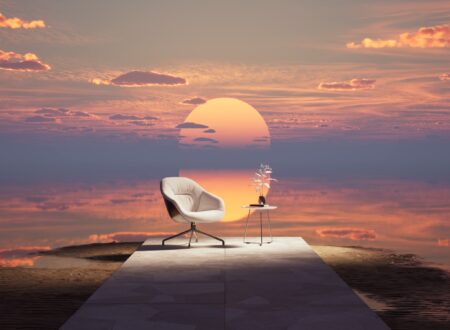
{"points": [[193, 230]]}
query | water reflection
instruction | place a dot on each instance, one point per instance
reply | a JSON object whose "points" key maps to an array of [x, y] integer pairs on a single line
{"points": [[233, 186], [25, 256], [401, 215]]}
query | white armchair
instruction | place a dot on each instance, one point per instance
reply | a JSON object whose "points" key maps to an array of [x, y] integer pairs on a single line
{"points": [[187, 202]]}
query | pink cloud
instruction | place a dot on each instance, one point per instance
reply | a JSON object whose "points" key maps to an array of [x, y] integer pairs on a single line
{"points": [[437, 36], [141, 123], [18, 62], [142, 79], [134, 119], [40, 119], [58, 113], [352, 85], [80, 114], [194, 100], [18, 23], [444, 76], [354, 234], [53, 206], [49, 112]]}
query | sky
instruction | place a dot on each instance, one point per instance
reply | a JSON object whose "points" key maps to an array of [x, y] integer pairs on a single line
{"points": [[126, 76], [340, 69]]}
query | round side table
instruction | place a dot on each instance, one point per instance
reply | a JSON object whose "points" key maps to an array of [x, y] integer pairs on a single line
{"points": [[260, 209]]}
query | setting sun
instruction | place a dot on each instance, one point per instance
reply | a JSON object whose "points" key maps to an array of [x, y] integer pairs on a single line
{"points": [[225, 122]]}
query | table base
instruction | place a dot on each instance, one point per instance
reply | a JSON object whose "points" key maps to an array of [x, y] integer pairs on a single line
{"points": [[261, 242]]}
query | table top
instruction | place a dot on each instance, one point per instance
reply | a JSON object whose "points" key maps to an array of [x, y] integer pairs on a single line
{"points": [[266, 207]]}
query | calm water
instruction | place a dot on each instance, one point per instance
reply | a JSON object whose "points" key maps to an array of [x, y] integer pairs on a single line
{"points": [[406, 216]]}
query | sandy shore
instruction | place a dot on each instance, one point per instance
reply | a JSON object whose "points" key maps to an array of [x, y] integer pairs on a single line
{"points": [[404, 291]]}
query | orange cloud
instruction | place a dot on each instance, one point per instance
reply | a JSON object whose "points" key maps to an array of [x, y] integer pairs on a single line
{"points": [[194, 100], [18, 23], [444, 76], [142, 79], [18, 62], [18, 262], [426, 37], [21, 256], [354, 234], [352, 85], [98, 81], [443, 242]]}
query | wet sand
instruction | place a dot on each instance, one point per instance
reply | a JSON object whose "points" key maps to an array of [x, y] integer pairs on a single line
{"points": [[406, 292], [402, 289]]}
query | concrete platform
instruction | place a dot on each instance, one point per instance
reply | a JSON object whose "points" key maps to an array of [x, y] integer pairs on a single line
{"points": [[283, 285]]}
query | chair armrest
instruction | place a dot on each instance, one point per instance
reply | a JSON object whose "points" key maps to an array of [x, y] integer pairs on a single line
{"points": [[209, 202]]}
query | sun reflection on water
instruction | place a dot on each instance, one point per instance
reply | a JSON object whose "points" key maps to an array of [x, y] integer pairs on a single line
{"points": [[233, 186]]}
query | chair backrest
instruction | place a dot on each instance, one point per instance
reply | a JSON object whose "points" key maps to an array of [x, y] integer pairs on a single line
{"points": [[184, 191]]}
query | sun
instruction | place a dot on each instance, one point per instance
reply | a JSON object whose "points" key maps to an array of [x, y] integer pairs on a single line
{"points": [[225, 122]]}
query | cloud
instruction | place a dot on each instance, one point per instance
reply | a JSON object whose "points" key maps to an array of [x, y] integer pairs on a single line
{"points": [[61, 112], [140, 123], [352, 85], [18, 23], [124, 117], [18, 62], [354, 234], [437, 36], [191, 125], [209, 131], [80, 114], [36, 199], [126, 236], [205, 139], [444, 76], [443, 242], [53, 206], [133, 119], [49, 112], [141, 79], [119, 201], [194, 100], [20, 256], [98, 81], [40, 119], [22, 251]]}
